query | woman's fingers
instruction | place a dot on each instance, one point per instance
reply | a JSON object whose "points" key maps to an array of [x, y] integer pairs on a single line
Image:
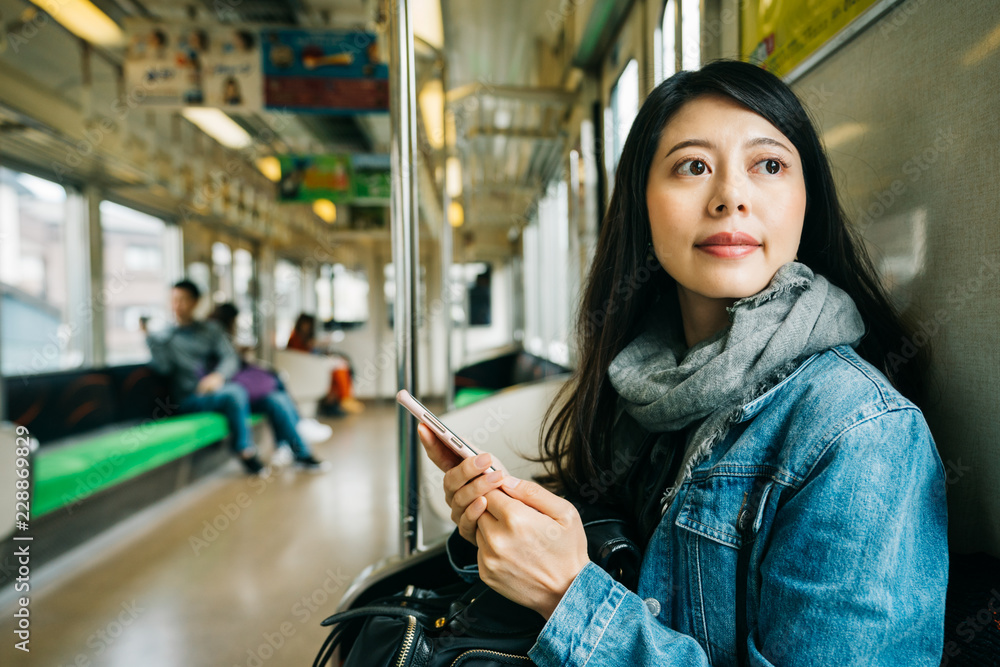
{"points": [[463, 473], [470, 518], [475, 489], [439, 453]]}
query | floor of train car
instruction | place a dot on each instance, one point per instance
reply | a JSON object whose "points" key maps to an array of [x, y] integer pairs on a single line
{"points": [[164, 589]]}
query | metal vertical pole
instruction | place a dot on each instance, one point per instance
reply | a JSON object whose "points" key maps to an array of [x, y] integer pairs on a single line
{"points": [[446, 254], [406, 256]]}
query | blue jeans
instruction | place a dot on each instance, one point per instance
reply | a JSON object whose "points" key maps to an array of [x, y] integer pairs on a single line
{"points": [[233, 403]]}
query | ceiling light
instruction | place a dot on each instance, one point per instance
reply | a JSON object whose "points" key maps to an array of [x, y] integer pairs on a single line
{"points": [[453, 177], [270, 166], [326, 210], [84, 20], [432, 110], [456, 214], [219, 126]]}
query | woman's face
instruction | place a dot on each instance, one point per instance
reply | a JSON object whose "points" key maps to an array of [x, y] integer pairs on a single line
{"points": [[726, 199]]}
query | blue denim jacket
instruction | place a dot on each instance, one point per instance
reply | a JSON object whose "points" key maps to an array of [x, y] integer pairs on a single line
{"points": [[849, 562]]}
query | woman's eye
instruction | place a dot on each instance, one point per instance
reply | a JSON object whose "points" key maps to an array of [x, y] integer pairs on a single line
{"points": [[692, 168], [770, 166]]}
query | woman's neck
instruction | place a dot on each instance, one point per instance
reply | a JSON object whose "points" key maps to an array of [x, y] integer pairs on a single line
{"points": [[702, 316]]}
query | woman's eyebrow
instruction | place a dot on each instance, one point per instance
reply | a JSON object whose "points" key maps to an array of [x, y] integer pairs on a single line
{"points": [[767, 141], [704, 143]]}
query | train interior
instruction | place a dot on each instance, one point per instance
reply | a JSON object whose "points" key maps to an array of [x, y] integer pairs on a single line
{"points": [[427, 178]]}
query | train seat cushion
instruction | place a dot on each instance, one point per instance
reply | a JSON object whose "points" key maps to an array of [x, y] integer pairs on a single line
{"points": [[74, 470]]}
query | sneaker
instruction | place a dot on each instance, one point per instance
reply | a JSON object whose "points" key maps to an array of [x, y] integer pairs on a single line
{"points": [[281, 457], [312, 431], [312, 464], [254, 466]]}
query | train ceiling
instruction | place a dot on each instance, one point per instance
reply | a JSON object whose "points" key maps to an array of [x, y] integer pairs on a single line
{"points": [[509, 91]]}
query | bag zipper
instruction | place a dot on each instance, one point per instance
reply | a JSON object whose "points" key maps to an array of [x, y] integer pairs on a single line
{"points": [[411, 630], [483, 650]]}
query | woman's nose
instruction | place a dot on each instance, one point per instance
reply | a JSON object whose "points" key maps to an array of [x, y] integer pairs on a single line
{"points": [[729, 198]]}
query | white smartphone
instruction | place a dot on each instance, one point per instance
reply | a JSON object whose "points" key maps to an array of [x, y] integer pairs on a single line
{"points": [[446, 435]]}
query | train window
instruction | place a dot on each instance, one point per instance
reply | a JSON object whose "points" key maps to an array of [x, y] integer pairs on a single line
{"points": [[243, 295], [135, 280], [348, 295], [665, 43], [41, 253], [222, 270], [624, 106], [471, 287], [287, 298], [690, 34], [546, 249]]}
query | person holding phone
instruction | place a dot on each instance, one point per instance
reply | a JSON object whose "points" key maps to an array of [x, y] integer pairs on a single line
{"points": [[736, 346]]}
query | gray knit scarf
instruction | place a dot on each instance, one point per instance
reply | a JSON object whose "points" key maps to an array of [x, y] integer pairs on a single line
{"points": [[666, 387]]}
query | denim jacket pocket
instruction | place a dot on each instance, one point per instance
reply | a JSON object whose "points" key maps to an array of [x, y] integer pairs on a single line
{"points": [[710, 518]]}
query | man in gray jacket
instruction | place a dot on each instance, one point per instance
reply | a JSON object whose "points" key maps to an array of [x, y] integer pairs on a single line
{"points": [[201, 361]]}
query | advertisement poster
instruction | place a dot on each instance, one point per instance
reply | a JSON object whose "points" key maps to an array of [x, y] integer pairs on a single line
{"points": [[371, 174], [310, 177], [173, 66], [780, 34], [323, 72]]}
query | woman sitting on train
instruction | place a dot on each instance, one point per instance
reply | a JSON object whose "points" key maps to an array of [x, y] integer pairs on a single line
{"points": [[226, 314], [737, 358], [340, 398]]}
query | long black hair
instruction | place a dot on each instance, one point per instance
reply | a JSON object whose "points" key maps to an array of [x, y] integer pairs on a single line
{"points": [[624, 278]]}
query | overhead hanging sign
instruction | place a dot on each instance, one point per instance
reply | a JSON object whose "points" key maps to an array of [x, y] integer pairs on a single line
{"points": [[323, 72], [372, 181], [176, 65], [781, 34], [312, 177]]}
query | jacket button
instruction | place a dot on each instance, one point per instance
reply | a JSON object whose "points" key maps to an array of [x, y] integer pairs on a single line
{"points": [[653, 605]]}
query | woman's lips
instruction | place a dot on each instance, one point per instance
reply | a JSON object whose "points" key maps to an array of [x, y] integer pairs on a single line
{"points": [[729, 244]]}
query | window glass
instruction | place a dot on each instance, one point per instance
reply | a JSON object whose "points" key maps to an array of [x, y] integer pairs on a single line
{"points": [[472, 288], [244, 297], [288, 298], [348, 294], [135, 282], [666, 47], [39, 331], [690, 34], [222, 267], [624, 105]]}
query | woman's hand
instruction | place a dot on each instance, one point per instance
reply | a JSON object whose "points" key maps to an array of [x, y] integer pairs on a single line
{"points": [[464, 481], [531, 544]]}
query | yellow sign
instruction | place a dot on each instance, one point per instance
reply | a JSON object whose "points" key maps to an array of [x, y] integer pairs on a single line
{"points": [[780, 34]]}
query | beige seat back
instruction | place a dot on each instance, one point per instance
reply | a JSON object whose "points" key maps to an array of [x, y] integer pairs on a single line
{"points": [[506, 425]]}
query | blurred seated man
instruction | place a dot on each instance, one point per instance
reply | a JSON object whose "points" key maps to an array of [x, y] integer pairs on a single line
{"points": [[340, 397], [200, 361]]}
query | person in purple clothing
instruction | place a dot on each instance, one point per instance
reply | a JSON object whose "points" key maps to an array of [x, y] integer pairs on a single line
{"points": [[738, 352], [201, 362]]}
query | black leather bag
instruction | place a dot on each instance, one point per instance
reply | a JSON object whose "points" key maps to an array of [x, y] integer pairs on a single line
{"points": [[468, 625]]}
